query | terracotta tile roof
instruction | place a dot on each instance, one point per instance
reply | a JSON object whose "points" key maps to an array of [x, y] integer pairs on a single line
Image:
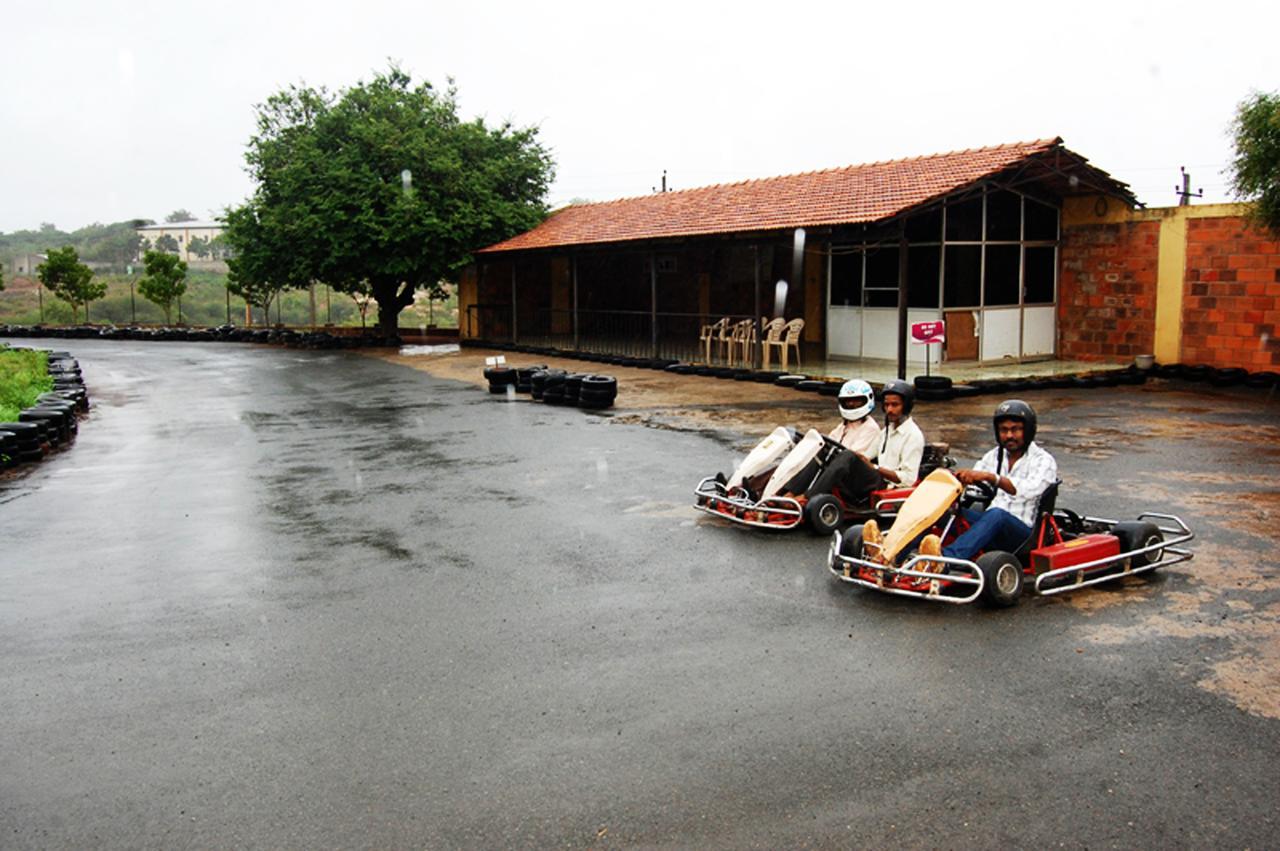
{"points": [[849, 195]]}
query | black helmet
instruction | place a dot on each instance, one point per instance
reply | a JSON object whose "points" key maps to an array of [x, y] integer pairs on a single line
{"points": [[905, 389], [1015, 409]]}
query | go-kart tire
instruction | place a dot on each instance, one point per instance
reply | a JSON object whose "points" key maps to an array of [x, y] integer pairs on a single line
{"points": [[1002, 575], [932, 382], [1136, 534], [851, 542], [824, 514]]}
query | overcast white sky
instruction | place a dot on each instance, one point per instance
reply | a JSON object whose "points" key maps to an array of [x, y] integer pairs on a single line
{"points": [[116, 110]]}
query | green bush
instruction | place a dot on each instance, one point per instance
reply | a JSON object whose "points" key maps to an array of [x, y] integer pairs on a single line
{"points": [[24, 375]]}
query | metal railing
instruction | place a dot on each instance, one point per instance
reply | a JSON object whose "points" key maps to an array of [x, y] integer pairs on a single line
{"points": [[632, 333]]}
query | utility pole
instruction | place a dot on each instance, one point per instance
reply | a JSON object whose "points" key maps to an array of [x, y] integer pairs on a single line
{"points": [[1184, 193]]}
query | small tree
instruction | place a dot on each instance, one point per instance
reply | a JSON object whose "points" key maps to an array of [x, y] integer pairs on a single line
{"points": [[70, 280], [166, 243], [218, 248], [166, 280], [1255, 171], [199, 247], [179, 215], [1, 279]]}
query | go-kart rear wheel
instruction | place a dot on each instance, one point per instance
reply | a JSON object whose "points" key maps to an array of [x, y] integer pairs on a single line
{"points": [[1135, 535], [824, 514], [1002, 578]]}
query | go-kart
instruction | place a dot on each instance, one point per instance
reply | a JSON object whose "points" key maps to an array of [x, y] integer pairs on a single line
{"points": [[1065, 551], [790, 479]]}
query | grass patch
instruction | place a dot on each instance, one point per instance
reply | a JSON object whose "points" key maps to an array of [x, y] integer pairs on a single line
{"points": [[24, 375]]}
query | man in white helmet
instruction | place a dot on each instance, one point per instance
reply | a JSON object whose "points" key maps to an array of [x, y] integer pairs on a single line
{"points": [[857, 431]]}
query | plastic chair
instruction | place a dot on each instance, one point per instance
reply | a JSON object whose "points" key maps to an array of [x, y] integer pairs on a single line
{"points": [[785, 338], [742, 339], [710, 334]]}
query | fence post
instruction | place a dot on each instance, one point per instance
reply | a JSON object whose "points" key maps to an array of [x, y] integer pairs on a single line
{"points": [[653, 302]]}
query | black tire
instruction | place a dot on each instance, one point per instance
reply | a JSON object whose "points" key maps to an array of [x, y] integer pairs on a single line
{"points": [[932, 382], [965, 390], [809, 385], [851, 542], [789, 380], [938, 395], [743, 375], [1136, 534], [1168, 370], [594, 405], [1197, 372], [1263, 380], [830, 388], [1229, 376], [1002, 573], [500, 389], [723, 372], [767, 376], [824, 514], [596, 383], [596, 396]]}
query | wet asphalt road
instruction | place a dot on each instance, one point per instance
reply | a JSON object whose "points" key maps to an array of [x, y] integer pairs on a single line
{"points": [[287, 599]]}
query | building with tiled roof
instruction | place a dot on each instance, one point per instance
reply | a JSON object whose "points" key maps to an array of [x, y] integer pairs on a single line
{"points": [[970, 237]]}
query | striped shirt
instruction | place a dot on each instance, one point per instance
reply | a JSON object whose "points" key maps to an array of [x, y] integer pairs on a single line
{"points": [[1033, 473]]}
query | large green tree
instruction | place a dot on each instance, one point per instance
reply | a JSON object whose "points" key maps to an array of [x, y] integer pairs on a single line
{"points": [[179, 215], [1255, 171], [165, 281], [383, 185], [66, 277]]}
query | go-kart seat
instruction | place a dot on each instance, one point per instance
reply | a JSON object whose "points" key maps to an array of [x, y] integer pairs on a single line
{"points": [[1044, 514]]}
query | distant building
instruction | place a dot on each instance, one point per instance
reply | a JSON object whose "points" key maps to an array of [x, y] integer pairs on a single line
{"points": [[183, 233]]}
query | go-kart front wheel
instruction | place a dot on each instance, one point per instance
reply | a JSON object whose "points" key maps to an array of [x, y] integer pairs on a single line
{"points": [[1002, 578], [824, 514], [851, 542]]}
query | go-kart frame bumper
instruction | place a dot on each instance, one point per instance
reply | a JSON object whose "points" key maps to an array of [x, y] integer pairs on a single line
{"points": [[962, 572], [741, 508]]}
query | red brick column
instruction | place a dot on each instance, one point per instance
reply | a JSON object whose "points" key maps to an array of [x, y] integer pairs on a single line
{"points": [[1231, 301], [1107, 290]]}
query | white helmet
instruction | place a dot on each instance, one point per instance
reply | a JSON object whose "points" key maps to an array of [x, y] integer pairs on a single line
{"points": [[856, 399]]}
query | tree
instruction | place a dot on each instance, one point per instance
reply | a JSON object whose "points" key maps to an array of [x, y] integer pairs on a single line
{"points": [[262, 265], [66, 277], [1, 279], [198, 246], [166, 279], [166, 243], [218, 248], [179, 215], [384, 185], [1256, 167]]}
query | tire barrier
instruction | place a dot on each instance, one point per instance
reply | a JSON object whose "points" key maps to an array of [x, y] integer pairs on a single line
{"points": [[53, 421], [557, 386]]}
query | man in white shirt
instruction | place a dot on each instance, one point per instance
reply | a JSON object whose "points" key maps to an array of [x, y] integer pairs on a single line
{"points": [[1020, 471], [857, 431], [899, 452]]}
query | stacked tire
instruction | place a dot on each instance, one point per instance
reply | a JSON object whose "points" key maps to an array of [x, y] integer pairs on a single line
{"points": [[500, 379], [937, 387], [597, 392], [27, 442]]}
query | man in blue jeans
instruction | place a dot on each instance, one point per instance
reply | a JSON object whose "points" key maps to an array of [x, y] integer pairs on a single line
{"points": [[1020, 471]]}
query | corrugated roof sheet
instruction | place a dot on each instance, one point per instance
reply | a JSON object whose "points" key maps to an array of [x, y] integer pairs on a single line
{"points": [[849, 195]]}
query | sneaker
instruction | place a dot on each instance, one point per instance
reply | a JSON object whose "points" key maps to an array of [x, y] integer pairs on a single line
{"points": [[872, 542]]}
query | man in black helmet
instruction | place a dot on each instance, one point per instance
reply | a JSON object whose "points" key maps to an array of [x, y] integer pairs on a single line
{"points": [[898, 453], [1020, 471]]}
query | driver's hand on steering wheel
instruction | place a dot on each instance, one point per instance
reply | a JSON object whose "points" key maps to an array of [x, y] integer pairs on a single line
{"points": [[968, 477]]}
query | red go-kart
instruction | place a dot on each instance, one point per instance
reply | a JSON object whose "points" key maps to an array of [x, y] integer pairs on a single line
{"points": [[1064, 552]]}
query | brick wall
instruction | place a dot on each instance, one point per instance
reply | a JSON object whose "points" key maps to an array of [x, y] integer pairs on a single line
{"points": [[1107, 290], [1231, 297]]}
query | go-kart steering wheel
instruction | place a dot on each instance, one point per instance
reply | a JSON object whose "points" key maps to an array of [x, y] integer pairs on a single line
{"points": [[831, 443], [978, 493]]}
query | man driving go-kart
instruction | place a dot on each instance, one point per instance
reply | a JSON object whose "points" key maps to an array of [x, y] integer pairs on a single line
{"points": [[789, 479], [1019, 470], [967, 552]]}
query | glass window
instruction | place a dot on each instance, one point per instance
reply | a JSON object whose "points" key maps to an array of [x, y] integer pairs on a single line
{"points": [[964, 220], [1004, 215], [925, 227], [963, 277], [1042, 221], [1041, 262], [1001, 272], [882, 267], [882, 298], [846, 277], [923, 265]]}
